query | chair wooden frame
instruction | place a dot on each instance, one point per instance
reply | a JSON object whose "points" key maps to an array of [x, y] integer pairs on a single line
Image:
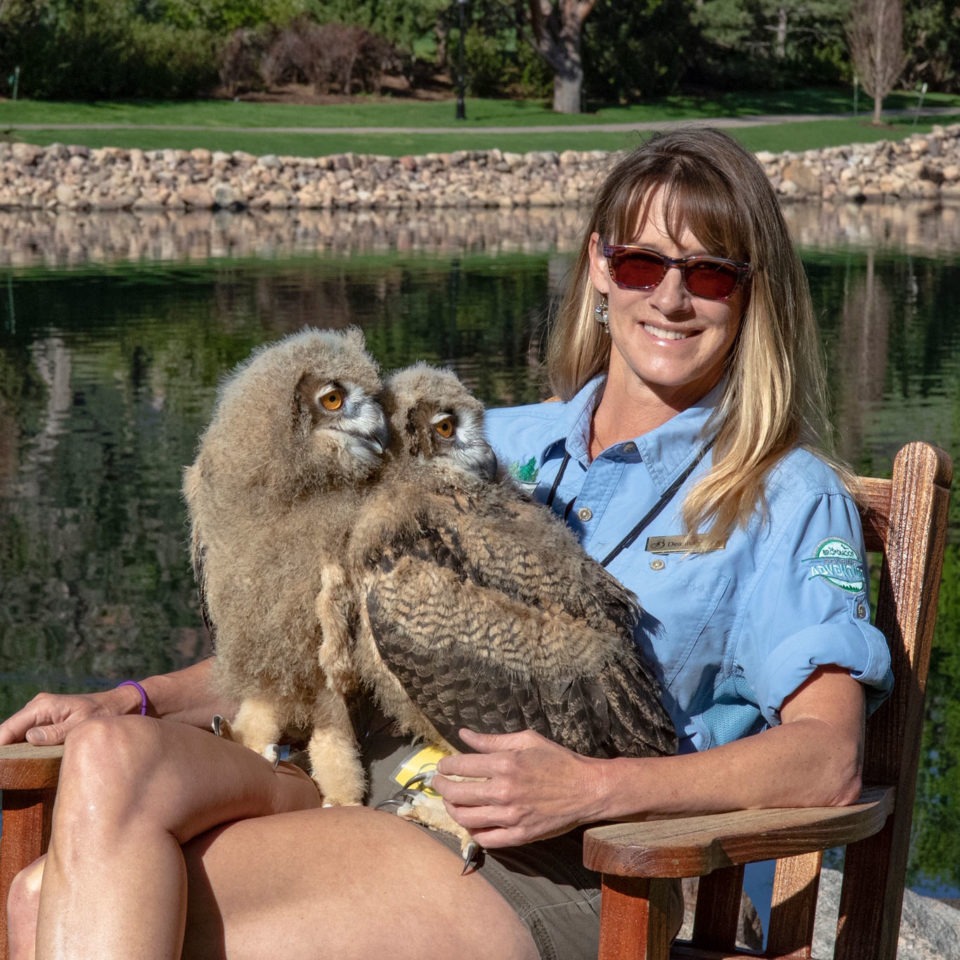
{"points": [[905, 519]]}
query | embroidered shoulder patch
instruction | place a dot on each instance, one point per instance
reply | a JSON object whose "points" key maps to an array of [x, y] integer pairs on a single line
{"points": [[839, 564]]}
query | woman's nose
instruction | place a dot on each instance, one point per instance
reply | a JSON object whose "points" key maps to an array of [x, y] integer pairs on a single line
{"points": [[670, 295]]}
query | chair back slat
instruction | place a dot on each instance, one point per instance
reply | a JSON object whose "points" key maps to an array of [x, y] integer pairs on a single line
{"points": [[916, 520], [793, 905], [718, 908]]}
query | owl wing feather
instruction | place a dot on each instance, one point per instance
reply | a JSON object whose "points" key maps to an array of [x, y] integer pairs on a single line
{"points": [[472, 653], [509, 541], [198, 553]]}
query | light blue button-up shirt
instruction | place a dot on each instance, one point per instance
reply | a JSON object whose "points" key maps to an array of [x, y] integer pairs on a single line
{"points": [[734, 631]]}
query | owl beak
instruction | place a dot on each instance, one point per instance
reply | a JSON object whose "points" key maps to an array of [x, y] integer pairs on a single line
{"points": [[487, 463], [477, 459], [371, 430], [381, 436]]}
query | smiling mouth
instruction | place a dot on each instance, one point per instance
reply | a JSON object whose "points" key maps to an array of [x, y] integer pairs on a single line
{"points": [[662, 334]]}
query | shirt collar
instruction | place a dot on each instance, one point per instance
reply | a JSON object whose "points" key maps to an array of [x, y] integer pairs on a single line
{"points": [[669, 449], [666, 451], [575, 424]]}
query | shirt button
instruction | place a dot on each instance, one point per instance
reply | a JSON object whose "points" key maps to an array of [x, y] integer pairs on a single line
{"points": [[861, 610], [584, 514], [657, 564], [630, 447]]}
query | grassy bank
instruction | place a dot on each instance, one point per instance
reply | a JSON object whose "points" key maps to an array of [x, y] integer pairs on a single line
{"points": [[398, 126]]}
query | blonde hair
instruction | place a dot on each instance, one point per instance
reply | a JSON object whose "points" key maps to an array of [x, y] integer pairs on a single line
{"points": [[774, 396]]}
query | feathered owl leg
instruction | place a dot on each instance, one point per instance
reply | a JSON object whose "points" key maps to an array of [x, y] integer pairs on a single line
{"points": [[423, 805], [257, 725], [334, 757], [335, 607]]}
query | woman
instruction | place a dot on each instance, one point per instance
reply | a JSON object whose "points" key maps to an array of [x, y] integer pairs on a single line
{"points": [[686, 362]]}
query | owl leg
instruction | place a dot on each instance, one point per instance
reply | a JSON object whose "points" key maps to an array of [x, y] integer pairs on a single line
{"points": [[334, 757], [257, 725], [334, 606], [423, 805]]}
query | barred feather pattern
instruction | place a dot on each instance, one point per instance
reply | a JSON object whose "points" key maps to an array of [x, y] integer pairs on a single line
{"points": [[482, 610]]}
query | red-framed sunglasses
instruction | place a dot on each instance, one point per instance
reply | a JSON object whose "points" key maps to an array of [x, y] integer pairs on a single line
{"points": [[637, 268]]}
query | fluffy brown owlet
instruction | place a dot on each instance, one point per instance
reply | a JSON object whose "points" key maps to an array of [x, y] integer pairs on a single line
{"points": [[478, 608], [296, 437]]}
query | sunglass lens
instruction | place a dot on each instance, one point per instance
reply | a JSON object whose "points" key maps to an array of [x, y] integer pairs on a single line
{"points": [[713, 281], [638, 270]]}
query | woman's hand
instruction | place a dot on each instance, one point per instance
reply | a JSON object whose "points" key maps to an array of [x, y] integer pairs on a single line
{"points": [[186, 695], [46, 719], [523, 787]]}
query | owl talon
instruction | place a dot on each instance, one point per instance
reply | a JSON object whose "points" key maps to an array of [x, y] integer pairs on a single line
{"points": [[472, 856], [221, 727], [424, 779]]}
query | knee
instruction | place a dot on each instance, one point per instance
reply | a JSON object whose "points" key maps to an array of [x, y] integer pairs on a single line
{"points": [[23, 903], [104, 762]]}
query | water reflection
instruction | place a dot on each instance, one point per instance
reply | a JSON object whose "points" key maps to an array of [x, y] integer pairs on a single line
{"points": [[860, 367], [45, 238], [115, 330]]}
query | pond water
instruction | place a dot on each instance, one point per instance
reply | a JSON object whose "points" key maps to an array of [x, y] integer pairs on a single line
{"points": [[114, 332]]}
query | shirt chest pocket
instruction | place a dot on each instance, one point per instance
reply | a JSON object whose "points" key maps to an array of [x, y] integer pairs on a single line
{"points": [[689, 603]]}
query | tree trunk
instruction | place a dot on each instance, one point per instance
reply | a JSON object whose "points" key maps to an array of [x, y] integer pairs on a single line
{"points": [[875, 34], [567, 89], [780, 44], [557, 28]]}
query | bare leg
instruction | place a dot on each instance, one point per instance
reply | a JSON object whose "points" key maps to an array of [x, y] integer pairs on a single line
{"points": [[22, 904], [132, 789], [343, 882]]}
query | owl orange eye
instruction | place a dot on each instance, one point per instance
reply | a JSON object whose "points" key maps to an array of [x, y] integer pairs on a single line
{"points": [[331, 399], [445, 427]]}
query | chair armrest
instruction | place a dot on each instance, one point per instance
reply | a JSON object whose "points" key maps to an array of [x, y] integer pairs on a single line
{"points": [[696, 846], [26, 767]]}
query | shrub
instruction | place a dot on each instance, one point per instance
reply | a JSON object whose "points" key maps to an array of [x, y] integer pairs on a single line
{"points": [[330, 56], [101, 49], [241, 61]]}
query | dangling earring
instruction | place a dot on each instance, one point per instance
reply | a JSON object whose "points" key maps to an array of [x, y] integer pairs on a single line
{"points": [[601, 313]]}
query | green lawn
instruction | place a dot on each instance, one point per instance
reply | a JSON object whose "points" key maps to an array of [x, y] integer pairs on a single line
{"points": [[275, 128]]}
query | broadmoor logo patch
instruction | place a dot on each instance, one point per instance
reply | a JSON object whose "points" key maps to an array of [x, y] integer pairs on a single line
{"points": [[839, 564]]}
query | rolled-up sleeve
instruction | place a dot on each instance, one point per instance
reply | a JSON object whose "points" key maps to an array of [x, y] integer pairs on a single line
{"points": [[809, 607]]}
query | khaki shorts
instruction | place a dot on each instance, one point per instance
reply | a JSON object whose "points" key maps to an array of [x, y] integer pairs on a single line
{"points": [[545, 882]]}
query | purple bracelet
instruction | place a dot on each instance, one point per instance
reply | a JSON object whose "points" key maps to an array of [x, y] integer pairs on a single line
{"points": [[142, 692]]}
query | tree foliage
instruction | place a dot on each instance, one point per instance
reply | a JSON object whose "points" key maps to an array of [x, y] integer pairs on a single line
{"points": [[637, 50], [410, 25], [596, 51], [932, 39], [102, 49], [770, 42], [220, 16], [499, 57]]}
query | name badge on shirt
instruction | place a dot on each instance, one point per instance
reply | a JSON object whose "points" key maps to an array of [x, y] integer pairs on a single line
{"points": [[678, 543]]}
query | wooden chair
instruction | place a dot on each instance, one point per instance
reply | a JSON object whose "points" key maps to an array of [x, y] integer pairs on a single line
{"points": [[906, 520]]}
